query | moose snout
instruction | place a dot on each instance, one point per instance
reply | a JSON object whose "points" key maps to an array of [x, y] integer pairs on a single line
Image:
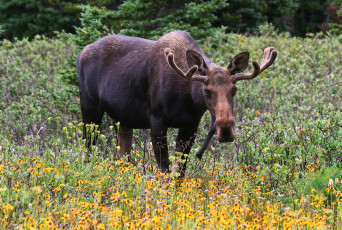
{"points": [[224, 122], [225, 130]]}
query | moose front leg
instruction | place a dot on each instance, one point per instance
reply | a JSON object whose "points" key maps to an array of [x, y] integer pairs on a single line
{"points": [[159, 141], [184, 142]]}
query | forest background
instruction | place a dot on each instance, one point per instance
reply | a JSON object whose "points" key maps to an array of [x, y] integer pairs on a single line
{"points": [[25, 18]]}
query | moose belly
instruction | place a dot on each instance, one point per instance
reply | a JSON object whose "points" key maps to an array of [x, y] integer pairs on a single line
{"points": [[130, 113], [182, 118]]}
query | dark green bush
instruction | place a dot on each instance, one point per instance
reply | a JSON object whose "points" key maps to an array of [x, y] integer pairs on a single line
{"points": [[26, 18], [29, 90], [149, 19], [91, 30], [246, 16]]}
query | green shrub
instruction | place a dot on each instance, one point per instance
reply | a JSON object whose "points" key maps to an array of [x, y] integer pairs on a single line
{"points": [[91, 30], [30, 91], [26, 18], [151, 20]]}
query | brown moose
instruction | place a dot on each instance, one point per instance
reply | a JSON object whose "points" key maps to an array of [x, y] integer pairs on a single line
{"points": [[155, 85]]}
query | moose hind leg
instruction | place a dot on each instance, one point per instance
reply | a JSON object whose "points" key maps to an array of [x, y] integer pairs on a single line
{"points": [[90, 116], [125, 138], [184, 142]]}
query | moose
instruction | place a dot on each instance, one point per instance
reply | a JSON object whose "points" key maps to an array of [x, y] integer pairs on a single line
{"points": [[156, 85]]}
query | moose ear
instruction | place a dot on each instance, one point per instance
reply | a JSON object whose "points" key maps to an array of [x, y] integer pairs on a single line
{"points": [[194, 58], [239, 63]]}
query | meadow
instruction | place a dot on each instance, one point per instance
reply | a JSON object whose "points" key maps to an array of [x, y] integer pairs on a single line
{"points": [[282, 172]]}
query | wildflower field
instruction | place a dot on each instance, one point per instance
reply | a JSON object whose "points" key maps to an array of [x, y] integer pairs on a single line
{"points": [[282, 172]]}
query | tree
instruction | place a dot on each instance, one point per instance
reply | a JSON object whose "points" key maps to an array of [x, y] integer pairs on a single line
{"points": [[309, 17], [26, 18], [246, 15], [151, 19], [335, 16]]}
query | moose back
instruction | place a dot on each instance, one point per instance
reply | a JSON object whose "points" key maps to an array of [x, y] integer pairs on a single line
{"points": [[155, 85]]}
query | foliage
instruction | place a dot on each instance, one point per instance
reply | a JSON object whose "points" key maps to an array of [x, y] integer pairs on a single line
{"points": [[309, 16], [283, 170], [26, 18], [133, 17], [1, 30], [46, 194], [29, 90], [151, 19], [336, 15], [246, 16], [339, 3], [91, 30]]}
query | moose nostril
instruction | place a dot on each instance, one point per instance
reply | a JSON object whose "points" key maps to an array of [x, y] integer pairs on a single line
{"points": [[225, 134]]}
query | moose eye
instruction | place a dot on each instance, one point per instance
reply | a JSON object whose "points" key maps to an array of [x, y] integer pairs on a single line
{"points": [[207, 93]]}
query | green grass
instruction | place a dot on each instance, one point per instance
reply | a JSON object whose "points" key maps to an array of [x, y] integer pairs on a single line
{"points": [[288, 147]]}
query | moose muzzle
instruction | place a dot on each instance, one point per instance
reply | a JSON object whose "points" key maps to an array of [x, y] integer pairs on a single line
{"points": [[225, 130]]}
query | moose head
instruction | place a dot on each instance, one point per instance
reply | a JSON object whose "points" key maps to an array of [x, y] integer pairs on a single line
{"points": [[219, 84]]}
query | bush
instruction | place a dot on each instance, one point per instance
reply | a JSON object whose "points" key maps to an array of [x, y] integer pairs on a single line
{"points": [[30, 91], [151, 20], [91, 30], [26, 18], [245, 16]]}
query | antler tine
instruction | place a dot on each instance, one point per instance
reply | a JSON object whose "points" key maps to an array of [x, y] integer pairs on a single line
{"points": [[270, 54], [256, 72], [189, 74]]}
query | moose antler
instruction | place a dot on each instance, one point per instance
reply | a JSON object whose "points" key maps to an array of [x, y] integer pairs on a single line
{"points": [[270, 55], [189, 74]]}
